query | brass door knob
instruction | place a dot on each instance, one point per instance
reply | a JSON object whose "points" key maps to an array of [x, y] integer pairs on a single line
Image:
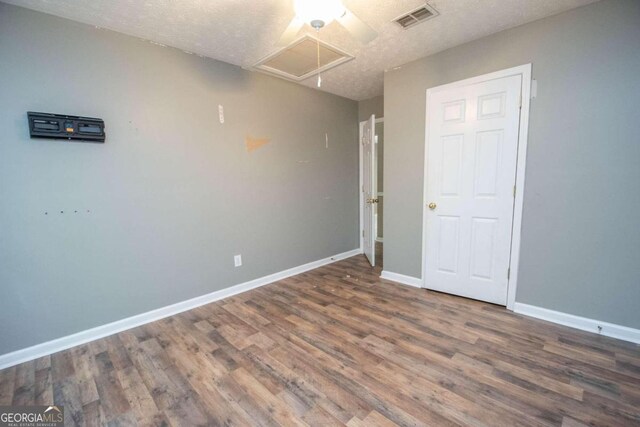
{"points": [[432, 206]]}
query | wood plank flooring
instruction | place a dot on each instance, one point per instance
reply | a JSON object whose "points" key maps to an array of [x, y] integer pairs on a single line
{"points": [[339, 346]]}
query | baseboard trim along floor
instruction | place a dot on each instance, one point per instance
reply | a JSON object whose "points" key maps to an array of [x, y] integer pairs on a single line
{"points": [[63, 343], [401, 278], [583, 323]]}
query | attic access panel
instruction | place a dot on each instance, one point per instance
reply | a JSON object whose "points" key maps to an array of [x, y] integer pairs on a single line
{"points": [[299, 60]]}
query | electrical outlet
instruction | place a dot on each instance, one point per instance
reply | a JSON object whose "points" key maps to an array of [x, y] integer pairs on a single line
{"points": [[237, 260]]}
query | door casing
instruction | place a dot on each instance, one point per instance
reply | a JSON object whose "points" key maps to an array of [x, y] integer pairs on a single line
{"points": [[514, 259]]}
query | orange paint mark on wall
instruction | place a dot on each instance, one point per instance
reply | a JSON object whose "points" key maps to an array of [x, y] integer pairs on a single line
{"points": [[255, 143]]}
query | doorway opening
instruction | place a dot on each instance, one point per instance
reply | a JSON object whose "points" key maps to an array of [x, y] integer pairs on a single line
{"points": [[372, 190]]}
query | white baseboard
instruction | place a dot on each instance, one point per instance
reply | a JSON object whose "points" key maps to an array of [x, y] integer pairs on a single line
{"points": [[590, 325], [83, 337], [401, 278]]}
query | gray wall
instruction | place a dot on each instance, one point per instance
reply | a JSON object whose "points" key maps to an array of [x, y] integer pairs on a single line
{"points": [[172, 195], [580, 235], [371, 106]]}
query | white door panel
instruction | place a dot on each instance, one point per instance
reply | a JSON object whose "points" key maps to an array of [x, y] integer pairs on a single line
{"points": [[471, 170], [369, 189]]}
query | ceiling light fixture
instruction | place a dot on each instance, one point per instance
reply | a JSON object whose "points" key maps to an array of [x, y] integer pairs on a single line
{"points": [[318, 13]]}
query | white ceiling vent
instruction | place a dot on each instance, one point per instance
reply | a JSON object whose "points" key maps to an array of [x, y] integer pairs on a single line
{"points": [[416, 16], [299, 60]]}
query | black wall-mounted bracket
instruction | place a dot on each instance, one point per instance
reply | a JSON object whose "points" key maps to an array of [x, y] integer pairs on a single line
{"points": [[60, 126]]}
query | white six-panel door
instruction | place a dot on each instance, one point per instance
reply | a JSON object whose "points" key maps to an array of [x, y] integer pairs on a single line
{"points": [[472, 149]]}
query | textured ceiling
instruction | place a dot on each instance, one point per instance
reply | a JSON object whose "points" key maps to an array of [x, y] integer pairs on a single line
{"points": [[242, 32]]}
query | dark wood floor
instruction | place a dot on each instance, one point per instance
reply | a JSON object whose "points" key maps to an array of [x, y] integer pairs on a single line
{"points": [[339, 346]]}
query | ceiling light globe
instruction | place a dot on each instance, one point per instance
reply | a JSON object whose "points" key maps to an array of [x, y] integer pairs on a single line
{"points": [[322, 10]]}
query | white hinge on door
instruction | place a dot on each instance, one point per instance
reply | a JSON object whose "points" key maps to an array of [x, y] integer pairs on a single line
{"points": [[362, 233]]}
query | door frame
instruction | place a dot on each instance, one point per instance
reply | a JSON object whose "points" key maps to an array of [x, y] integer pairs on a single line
{"points": [[525, 96], [361, 180]]}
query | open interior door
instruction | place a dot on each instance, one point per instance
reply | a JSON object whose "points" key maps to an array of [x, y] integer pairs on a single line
{"points": [[369, 188], [470, 187]]}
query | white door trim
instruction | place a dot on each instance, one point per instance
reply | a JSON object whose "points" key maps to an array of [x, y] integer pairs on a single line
{"points": [[514, 260]]}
